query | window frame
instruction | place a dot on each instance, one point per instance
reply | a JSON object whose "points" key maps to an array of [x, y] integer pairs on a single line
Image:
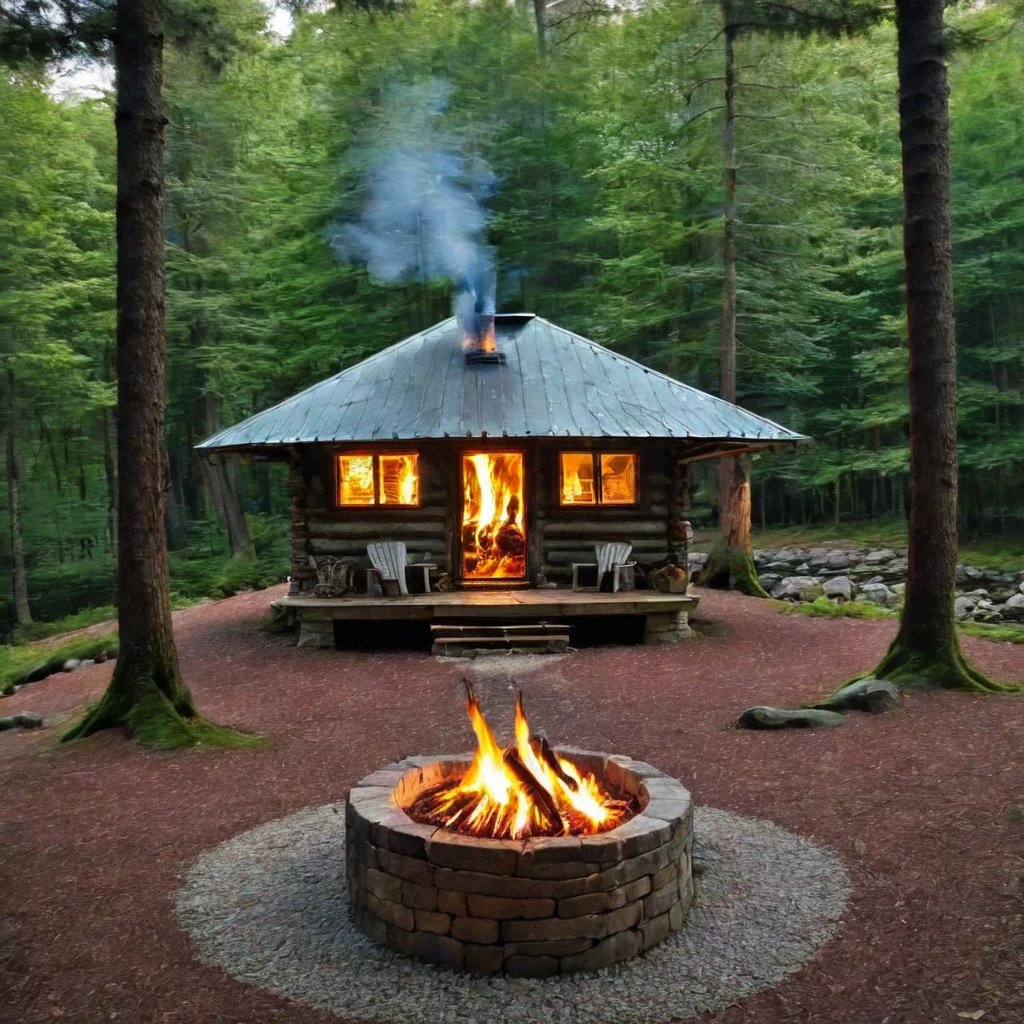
{"points": [[595, 458], [377, 506]]}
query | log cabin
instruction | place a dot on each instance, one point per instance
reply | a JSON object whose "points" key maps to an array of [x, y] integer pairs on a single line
{"points": [[500, 456]]}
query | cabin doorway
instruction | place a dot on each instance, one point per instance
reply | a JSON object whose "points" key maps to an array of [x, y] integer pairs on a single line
{"points": [[492, 542]]}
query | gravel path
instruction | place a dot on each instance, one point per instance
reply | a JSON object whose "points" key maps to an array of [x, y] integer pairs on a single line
{"points": [[270, 908], [925, 807]]}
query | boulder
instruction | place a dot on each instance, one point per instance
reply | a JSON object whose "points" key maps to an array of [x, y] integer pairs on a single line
{"points": [[1013, 610], [962, 608], [797, 588], [874, 579], [785, 718], [779, 566], [899, 588], [769, 580], [840, 559], [22, 720], [840, 587], [879, 556], [879, 593], [868, 694], [70, 665]]}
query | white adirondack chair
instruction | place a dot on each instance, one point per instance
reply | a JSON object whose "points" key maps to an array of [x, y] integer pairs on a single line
{"points": [[611, 557], [388, 558]]}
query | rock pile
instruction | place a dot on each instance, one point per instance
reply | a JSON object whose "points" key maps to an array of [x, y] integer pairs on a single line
{"points": [[878, 576]]}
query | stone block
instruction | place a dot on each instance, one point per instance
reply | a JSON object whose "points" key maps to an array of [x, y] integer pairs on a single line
{"points": [[432, 921], [625, 917], [586, 926], [531, 966], [373, 927], [412, 869], [498, 885], [601, 849], [389, 777], [475, 929], [468, 853], [390, 913], [419, 897], [453, 903], [436, 949], [400, 834], [385, 887], [552, 947], [660, 900], [655, 930], [602, 902], [554, 872], [551, 850], [621, 946], [360, 849], [642, 833], [676, 916], [483, 959], [508, 908], [669, 873]]}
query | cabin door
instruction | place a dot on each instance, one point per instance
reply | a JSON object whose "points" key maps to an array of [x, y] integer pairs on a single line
{"points": [[492, 543]]}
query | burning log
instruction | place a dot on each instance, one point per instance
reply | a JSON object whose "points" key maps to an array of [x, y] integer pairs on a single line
{"points": [[541, 798], [543, 750]]}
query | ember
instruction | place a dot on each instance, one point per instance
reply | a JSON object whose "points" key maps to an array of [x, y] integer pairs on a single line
{"points": [[493, 531], [520, 791]]}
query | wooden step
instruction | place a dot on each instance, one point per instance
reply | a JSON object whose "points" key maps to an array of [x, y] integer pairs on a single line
{"points": [[538, 637]]}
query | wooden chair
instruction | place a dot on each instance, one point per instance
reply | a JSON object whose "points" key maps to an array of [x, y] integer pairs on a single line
{"points": [[611, 558], [389, 558]]}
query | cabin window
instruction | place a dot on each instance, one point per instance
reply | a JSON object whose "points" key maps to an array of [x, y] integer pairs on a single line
{"points": [[598, 478], [388, 479]]}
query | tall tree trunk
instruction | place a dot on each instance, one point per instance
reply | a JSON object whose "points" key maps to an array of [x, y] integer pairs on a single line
{"points": [[146, 693], [110, 472], [926, 651], [730, 564], [19, 583], [220, 475], [540, 17]]}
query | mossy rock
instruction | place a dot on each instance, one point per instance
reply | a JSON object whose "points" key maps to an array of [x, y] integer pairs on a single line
{"points": [[868, 694], [764, 717]]}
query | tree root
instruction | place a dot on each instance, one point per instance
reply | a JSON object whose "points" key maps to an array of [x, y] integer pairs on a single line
{"points": [[731, 569], [155, 720]]}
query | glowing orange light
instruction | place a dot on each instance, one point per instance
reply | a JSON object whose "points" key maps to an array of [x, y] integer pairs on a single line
{"points": [[493, 516]]}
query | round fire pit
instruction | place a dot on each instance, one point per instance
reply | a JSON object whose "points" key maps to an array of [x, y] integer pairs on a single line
{"points": [[523, 907]]}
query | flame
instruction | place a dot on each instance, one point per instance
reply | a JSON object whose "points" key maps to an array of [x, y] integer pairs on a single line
{"points": [[493, 531], [482, 341], [399, 480], [521, 791]]}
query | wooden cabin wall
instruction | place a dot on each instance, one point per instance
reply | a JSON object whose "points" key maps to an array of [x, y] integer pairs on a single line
{"points": [[564, 536], [320, 528], [556, 536]]}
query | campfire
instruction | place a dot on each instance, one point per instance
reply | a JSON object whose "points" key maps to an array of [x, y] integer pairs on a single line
{"points": [[520, 791], [493, 531]]}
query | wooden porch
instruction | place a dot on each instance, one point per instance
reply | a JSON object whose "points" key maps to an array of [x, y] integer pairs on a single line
{"points": [[665, 615]]}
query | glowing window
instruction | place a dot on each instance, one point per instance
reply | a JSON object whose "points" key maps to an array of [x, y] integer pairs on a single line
{"points": [[391, 479], [591, 478], [578, 484], [399, 480], [618, 478]]}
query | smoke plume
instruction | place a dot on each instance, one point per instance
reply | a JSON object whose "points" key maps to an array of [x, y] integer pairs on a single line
{"points": [[423, 216]]}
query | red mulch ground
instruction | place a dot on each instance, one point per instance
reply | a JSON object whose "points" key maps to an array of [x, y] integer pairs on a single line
{"points": [[926, 806]]}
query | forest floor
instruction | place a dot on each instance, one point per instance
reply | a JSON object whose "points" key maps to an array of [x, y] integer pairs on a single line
{"points": [[924, 805]]}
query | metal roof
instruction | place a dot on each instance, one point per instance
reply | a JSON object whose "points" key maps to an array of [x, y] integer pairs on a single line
{"points": [[553, 383]]}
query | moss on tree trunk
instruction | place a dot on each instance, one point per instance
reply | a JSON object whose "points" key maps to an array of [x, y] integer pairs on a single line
{"points": [[730, 564]]}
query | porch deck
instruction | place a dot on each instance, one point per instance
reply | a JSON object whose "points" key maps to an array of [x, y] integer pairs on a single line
{"points": [[665, 615]]}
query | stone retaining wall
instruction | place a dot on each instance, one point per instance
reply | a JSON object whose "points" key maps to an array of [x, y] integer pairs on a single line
{"points": [[530, 908]]}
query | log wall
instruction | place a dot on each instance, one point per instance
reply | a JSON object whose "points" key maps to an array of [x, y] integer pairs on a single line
{"points": [[556, 536]]}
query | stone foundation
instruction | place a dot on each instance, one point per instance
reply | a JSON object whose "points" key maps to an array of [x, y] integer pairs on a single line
{"points": [[527, 908]]}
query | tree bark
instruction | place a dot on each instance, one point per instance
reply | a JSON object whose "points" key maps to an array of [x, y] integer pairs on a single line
{"points": [[19, 582], [146, 693], [221, 479], [730, 564], [540, 17], [926, 651]]}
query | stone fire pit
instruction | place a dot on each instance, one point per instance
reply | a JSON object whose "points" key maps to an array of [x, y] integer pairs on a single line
{"points": [[525, 908]]}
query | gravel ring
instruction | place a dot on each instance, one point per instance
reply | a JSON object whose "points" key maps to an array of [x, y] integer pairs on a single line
{"points": [[270, 907]]}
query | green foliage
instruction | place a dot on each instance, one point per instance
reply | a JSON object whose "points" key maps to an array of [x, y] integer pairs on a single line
{"points": [[822, 607], [606, 217], [20, 661], [1006, 632]]}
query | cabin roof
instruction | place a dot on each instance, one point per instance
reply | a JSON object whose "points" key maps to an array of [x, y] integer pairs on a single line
{"points": [[553, 383]]}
